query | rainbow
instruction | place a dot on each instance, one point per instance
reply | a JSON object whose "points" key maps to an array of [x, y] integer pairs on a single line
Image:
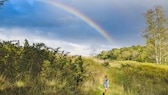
{"points": [[81, 16]]}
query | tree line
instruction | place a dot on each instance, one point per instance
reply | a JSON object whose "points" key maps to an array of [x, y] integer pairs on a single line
{"points": [[156, 35], [136, 53]]}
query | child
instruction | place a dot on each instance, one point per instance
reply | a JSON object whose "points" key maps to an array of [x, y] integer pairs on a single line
{"points": [[105, 84]]}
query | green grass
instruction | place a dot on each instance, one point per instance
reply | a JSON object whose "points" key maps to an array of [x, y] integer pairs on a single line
{"points": [[135, 78], [125, 78]]}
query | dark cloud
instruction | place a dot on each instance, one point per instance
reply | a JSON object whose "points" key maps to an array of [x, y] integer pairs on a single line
{"points": [[123, 20]]}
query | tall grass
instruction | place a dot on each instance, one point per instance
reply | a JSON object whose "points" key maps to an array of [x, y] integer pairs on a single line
{"points": [[134, 78], [125, 78], [142, 78]]}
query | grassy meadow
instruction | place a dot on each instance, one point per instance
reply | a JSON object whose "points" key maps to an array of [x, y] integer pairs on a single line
{"points": [[133, 78], [125, 78]]}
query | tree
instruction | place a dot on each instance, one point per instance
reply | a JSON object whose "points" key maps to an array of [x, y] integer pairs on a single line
{"points": [[156, 34], [142, 53], [114, 53], [103, 55]]}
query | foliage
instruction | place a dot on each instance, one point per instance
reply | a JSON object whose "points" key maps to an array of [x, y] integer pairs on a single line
{"points": [[39, 70], [136, 53], [156, 34]]}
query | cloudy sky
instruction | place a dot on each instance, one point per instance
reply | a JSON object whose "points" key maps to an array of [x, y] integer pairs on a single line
{"points": [[56, 26]]}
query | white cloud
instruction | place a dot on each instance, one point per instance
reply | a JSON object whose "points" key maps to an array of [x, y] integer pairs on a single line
{"points": [[73, 48]]}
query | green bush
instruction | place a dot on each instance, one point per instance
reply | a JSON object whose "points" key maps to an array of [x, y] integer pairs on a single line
{"points": [[106, 64]]}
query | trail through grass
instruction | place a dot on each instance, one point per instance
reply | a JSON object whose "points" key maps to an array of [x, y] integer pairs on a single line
{"points": [[113, 89], [134, 78]]}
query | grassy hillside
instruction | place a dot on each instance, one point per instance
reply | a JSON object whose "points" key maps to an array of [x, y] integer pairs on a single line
{"points": [[134, 78]]}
